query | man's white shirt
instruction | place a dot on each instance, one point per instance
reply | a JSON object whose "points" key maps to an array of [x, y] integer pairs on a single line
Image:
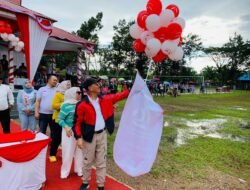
{"points": [[6, 97], [99, 123]]}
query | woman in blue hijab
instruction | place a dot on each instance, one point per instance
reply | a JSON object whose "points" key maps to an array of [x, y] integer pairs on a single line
{"points": [[26, 99]]}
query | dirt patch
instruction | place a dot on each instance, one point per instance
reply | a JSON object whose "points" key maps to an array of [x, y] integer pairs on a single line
{"points": [[213, 180]]}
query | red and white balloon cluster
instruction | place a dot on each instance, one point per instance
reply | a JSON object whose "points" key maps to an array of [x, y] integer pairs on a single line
{"points": [[6, 35], [158, 31]]}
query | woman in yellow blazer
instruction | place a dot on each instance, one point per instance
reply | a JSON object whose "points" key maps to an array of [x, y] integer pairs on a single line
{"points": [[56, 129]]}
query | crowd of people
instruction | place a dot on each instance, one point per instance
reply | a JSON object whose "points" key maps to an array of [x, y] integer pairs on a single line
{"points": [[20, 72], [160, 88], [79, 119]]}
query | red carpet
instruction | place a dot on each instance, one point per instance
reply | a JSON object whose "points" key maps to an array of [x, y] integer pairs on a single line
{"points": [[73, 182]]}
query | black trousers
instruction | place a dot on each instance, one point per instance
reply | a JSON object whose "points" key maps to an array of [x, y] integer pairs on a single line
{"points": [[5, 120], [44, 121], [56, 136]]}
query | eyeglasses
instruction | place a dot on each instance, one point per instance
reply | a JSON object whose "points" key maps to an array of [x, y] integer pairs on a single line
{"points": [[99, 83]]}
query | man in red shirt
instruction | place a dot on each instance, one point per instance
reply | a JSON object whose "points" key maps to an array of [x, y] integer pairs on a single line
{"points": [[94, 115]]}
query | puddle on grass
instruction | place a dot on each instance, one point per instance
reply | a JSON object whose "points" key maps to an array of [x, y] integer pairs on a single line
{"points": [[207, 128], [241, 109]]}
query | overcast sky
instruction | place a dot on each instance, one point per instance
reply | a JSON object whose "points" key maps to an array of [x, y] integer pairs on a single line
{"points": [[213, 20]]}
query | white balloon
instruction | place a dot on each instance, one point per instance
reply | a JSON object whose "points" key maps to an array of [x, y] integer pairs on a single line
{"points": [[176, 41], [18, 49], [180, 21], [11, 37], [4, 36], [166, 17], [135, 31], [148, 53], [20, 44], [153, 47], [168, 47], [153, 23], [177, 55], [13, 43], [16, 39], [145, 36]]}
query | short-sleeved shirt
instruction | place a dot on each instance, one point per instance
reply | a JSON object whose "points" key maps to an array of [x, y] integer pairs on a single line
{"points": [[46, 95]]}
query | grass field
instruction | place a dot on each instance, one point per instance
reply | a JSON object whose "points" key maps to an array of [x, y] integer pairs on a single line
{"points": [[224, 115]]}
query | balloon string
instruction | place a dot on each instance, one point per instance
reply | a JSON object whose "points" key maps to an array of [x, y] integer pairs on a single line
{"points": [[149, 69]]}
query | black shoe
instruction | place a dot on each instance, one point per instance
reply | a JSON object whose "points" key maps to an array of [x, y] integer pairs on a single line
{"points": [[100, 188], [84, 186]]}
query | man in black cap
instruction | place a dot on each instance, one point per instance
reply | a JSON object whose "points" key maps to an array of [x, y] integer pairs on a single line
{"points": [[93, 116], [6, 103]]}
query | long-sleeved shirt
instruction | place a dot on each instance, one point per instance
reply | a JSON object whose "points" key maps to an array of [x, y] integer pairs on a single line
{"points": [[6, 97], [56, 105], [25, 100], [66, 115]]}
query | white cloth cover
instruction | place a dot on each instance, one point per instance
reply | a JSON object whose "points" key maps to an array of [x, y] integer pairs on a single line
{"points": [[38, 39], [139, 132], [24, 176]]}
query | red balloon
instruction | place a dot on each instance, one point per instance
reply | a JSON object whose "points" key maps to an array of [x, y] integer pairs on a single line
{"points": [[141, 18], [174, 31], [154, 7], [161, 34], [8, 30], [174, 8], [159, 57], [2, 23], [138, 46], [2, 29]]}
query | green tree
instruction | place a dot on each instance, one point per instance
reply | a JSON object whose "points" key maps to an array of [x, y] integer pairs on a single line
{"points": [[231, 59], [210, 73], [123, 54], [89, 29], [119, 58]]}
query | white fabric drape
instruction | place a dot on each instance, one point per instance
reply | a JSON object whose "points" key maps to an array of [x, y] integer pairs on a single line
{"points": [[38, 40], [26, 175], [139, 132]]}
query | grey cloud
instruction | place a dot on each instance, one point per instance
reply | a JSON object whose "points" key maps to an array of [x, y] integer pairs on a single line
{"points": [[70, 14], [245, 18]]}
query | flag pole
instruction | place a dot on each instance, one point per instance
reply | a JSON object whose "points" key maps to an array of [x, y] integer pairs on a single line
{"points": [[149, 68]]}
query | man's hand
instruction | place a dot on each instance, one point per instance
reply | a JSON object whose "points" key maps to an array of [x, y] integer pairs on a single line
{"points": [[124, 87], [68, 131], [27, 111], [37, 115], [10, 106], [80, 143]]}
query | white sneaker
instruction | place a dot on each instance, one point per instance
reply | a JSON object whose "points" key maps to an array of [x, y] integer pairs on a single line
{"points": [[79, 174], [63, 177]]}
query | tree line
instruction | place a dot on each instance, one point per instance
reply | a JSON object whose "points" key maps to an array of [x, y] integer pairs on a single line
{"points": [[118, 58]]}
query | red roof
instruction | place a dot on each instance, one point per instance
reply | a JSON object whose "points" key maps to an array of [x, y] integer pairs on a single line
{"points": [[56, 32], [20, 9], [66, 36]]}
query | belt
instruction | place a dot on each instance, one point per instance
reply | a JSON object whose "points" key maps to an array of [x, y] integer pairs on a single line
{"points": [[100, 131]]}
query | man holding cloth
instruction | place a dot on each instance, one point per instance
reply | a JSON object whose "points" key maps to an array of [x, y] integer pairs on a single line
{"points": [[93, 116]]}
